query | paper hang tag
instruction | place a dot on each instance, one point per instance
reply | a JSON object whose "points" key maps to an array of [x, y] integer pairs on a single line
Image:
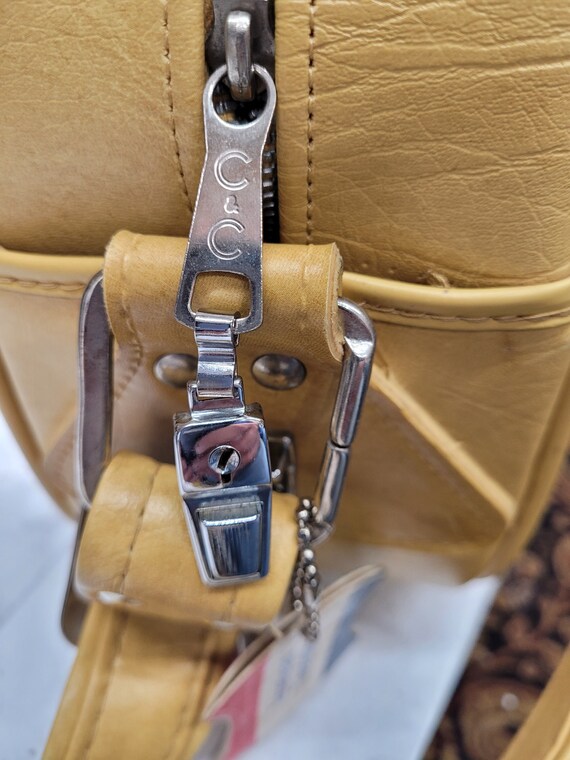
{"points": [[267, 681]]}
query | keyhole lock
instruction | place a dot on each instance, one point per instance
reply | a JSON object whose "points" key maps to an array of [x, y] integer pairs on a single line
{"points": [[224, 460]]}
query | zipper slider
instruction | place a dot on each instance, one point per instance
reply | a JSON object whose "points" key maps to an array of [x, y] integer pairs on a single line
{"points": [[241, 34]]}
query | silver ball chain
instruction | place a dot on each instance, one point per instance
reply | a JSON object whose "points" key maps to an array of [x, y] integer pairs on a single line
{"points": [[306, 581]]}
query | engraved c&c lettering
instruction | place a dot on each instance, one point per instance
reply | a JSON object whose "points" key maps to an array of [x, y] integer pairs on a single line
{"points": [[212, 242], [231, 205], [220, 163]]}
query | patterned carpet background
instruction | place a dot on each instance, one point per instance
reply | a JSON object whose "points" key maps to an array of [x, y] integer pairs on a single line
{"points": [[522, 642]]}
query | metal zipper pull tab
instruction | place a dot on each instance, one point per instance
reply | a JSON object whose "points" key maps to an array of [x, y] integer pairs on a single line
{"points": [[226, 232], [220, 445]]}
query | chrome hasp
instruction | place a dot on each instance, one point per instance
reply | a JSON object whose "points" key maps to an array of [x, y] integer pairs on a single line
{"points": [[224, 473]]}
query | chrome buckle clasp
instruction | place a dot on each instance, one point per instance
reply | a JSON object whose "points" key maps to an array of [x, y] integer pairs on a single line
{"points": [[224, 474]]}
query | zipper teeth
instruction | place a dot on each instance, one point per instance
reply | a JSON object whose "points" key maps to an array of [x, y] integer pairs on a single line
{"points": [[270, 194]]}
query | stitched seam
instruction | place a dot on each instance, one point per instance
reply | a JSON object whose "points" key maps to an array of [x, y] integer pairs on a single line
{"points": [[305, 277], [134, 343], [115, 658], [185, 705], [460, 487], [170, 106], [310, 119], [228, 612], [136, 532], [67, 286], [333, 329], [210, 671], [207, 663], [231, 606], [475, 320]]}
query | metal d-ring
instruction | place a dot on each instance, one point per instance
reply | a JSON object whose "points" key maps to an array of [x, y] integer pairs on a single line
{"points": [[359, 345]]}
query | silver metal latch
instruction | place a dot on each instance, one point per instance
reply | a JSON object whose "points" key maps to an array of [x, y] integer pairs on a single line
{"points": [[224, 473], [223, 464]]}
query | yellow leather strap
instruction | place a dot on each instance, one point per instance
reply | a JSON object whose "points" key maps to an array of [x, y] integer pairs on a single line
{"points": [[138, 685], [137, 688]]}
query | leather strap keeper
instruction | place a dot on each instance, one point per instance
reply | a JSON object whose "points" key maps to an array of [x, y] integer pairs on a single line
{"points": [[301, 287], [136, 551]]}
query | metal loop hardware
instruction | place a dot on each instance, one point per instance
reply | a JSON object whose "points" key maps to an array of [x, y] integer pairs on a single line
{"points": [[94, 428], [359, 344]]}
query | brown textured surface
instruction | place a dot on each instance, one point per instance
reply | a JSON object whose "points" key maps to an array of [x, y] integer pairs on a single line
{"points": [[521, 645]]}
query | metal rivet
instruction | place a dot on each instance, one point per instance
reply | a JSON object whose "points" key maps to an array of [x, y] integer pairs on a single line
{"points": [[279, 372], [175, 369]]}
